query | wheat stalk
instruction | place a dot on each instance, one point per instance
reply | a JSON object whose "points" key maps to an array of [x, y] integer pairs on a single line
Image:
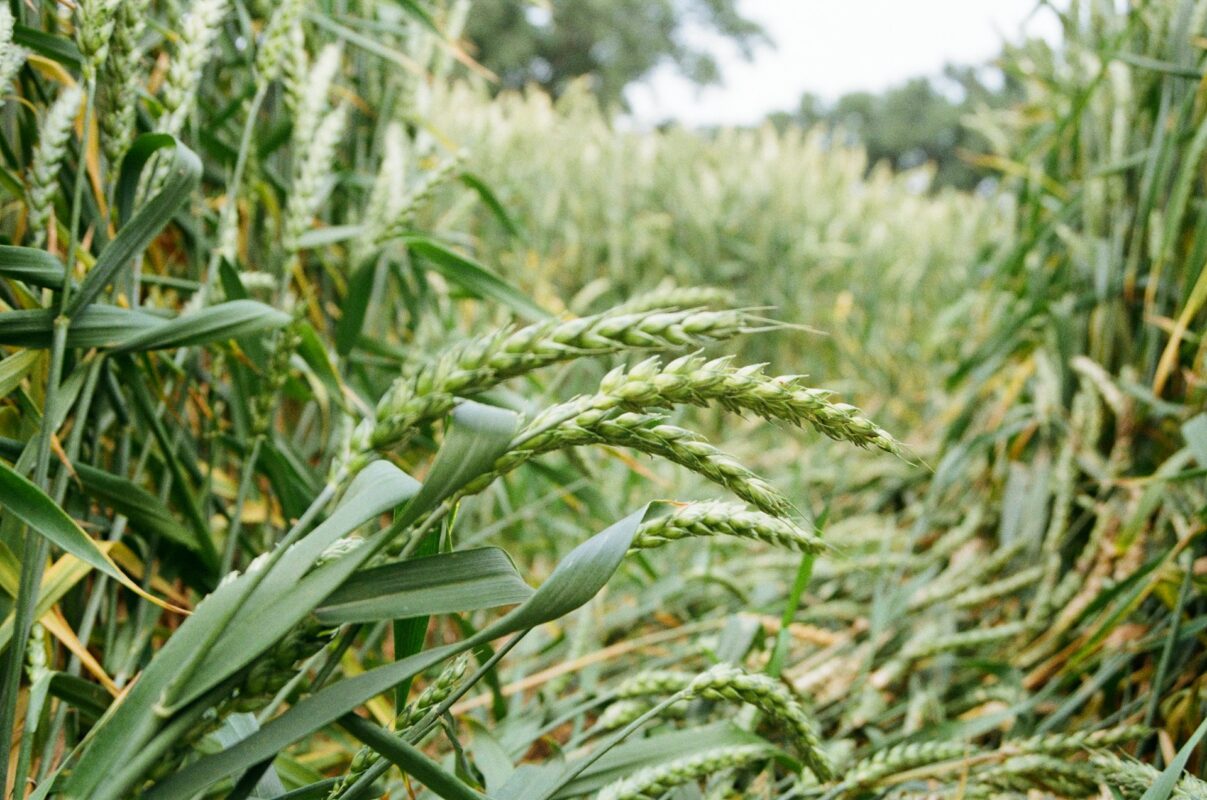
{"points": [[432, 696]]}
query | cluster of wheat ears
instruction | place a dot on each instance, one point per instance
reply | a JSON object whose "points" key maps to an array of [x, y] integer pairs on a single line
{"points": [[263, 403]]}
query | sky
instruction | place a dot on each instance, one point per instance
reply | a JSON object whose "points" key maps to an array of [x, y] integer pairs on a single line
{"points": [[831, 47]]}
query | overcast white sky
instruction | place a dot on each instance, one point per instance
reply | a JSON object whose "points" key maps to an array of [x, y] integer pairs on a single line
{"points": [[831, 47]]}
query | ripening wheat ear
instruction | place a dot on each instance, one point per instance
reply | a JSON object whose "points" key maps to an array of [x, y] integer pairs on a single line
{"points": [[11, 56], [310, 100], [654, 782], [94, 29], [278, 37], [668, 296], [1034, 773], [727, 682], [641, 432], [388, 198], [121, 79], [199, 31], [902, 757], [1134, 778], [693, 380], [294, 68], [48, 159], [725, 519], [310, 177], [401, 218]]}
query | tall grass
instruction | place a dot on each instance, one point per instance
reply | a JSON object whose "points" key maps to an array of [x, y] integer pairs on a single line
{"points": [[787, 219], [228, 348], [1042, 579]]}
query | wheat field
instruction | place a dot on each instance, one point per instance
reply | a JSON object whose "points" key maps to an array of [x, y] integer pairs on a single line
{"points": [[365, 433]]}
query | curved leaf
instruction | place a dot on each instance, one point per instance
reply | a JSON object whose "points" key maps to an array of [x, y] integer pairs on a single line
{"points": [[31, 505], [183, 172], [473, 277], [145, 511], [35, 267], [98, 325], [492, 202], [446, 583], [215, 323]]}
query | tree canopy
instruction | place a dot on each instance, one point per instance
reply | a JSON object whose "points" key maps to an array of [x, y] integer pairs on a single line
{"points": [[914, 122], [610, 42]]}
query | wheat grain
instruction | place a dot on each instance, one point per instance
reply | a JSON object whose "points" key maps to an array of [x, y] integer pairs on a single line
{"points": [[94, 29], [1133, 778], [277, 38], [671, 297], [11, 56], [311, 101]]}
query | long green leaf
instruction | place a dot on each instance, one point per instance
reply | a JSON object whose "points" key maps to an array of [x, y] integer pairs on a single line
{"points": [[31, 505], [445, 583], [35, 267], [183, 172], [134, 721], [98, 325], [216, 323], [144, 510], [473, 277]]}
